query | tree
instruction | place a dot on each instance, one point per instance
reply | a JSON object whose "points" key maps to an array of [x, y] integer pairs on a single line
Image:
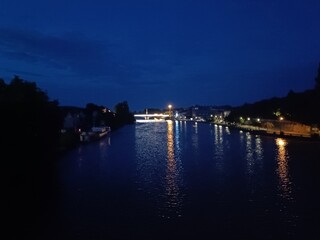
{"points": [[30, 129], [123, 115], [28, 113]]}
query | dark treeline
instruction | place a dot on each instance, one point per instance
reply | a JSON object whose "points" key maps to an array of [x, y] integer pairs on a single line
{"points": [[30, 129], [97, 115], [31, 139], [78, 120], [301, 107]]}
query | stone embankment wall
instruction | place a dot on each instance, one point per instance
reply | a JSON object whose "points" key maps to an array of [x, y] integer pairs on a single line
{"points": [[287, 127]]}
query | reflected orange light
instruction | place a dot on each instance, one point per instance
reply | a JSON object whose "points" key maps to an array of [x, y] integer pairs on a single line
{"points": [[170, 142], [172, 188], [281, 142], [283, 171]]}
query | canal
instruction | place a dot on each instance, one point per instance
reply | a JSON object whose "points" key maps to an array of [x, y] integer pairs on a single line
{"points": [[182, 180]]}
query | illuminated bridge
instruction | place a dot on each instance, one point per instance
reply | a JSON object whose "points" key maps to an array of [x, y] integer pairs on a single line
{"points": [[155, 117]]}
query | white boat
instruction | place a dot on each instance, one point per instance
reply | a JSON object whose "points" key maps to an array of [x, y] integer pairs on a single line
{"points": [[95, 134], [101, 131]]}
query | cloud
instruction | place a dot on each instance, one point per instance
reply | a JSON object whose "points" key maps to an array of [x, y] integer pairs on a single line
{"points": [[15, 72], [73, 54], [72, 57]]}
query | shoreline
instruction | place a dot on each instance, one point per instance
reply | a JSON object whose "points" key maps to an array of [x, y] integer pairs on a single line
{"points": [[273, 132]]}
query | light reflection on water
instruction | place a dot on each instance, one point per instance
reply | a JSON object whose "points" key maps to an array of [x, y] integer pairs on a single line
{"points": [[168, 172], [218, 146], [259, 149], [173, 194], [254, 152], [161, 182], [283, 171], [249, 154], [195, 140]]}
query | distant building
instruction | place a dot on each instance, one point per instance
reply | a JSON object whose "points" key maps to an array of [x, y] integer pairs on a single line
{"points": [[73, 119], [208, 113]]}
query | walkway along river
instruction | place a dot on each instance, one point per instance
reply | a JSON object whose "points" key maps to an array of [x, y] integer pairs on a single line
{"points": [[173, 180]]}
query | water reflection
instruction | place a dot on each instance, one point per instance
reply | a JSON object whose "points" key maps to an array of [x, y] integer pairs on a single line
{"points": [[253, 151], [173, 195], [219, 149], [150, 147], [249, 154], [259, 149], [178, 130], [159, 179], [195, 141], [80, 158], [103, 145], [283, 172]]}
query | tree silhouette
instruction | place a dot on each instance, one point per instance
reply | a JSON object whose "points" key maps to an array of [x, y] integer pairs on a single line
{"points": [[30, 128], [123, 115]]}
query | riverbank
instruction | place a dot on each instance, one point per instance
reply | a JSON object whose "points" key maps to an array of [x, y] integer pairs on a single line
{"points": [[276, 132]]}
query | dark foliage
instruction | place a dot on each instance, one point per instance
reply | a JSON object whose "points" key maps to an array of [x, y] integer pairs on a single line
{"points": [[30, 125], [301, 107], [98, 116], [30, 130], [123, 114]]}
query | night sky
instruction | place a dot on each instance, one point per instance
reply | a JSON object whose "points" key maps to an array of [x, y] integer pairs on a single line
{"points": [[155, 52]]}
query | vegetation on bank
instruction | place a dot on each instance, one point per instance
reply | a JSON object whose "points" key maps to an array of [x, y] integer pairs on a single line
{"points": [[32, 137], [302, 107], [28, 114], [78, 120]]}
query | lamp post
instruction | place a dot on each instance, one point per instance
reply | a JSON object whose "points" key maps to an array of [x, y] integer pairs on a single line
{"points": [[170, 110], [281, 119]]}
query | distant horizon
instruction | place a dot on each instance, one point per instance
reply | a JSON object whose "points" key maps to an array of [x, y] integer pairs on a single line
{"points": [[150, 107], [158, 52]]}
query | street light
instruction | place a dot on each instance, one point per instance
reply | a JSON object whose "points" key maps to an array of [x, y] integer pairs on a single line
{"points": [[281, 119], [170, 112]]}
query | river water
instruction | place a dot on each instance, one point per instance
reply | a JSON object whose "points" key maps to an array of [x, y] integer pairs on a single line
{"points": [[182, 180]]}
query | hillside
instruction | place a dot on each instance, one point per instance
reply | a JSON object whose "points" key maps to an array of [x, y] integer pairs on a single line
{"points": [[302, 107]]}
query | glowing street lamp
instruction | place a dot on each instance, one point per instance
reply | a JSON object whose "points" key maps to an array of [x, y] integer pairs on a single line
{"points": [[170, 110], [281, 119]]}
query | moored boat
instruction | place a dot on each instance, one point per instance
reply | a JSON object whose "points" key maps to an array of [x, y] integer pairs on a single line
{"points": [[95, 134]]}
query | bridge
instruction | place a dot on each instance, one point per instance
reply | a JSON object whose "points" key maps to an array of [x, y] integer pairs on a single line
{"points": [[154, 117]]}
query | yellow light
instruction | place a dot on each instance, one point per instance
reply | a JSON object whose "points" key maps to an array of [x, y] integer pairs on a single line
{"points": [[281, 142], [169, 106], [281, 118]]}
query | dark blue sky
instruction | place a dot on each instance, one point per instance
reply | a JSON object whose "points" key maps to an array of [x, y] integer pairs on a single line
{"points": [[155, 52]]}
